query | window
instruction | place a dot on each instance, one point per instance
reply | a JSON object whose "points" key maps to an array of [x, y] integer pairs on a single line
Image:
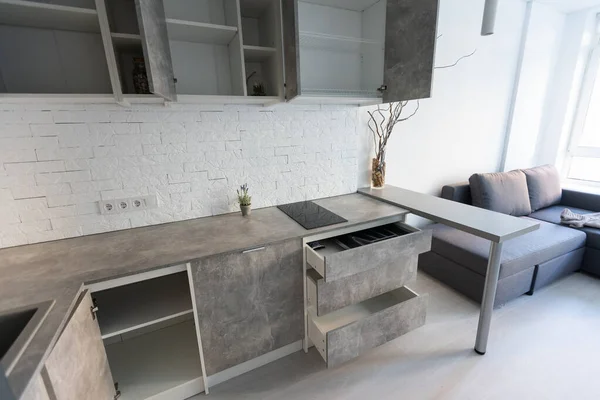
{"points": [[583, 158]]}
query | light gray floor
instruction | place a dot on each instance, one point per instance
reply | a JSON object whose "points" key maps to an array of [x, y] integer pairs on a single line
{"points": [[546, 346]]}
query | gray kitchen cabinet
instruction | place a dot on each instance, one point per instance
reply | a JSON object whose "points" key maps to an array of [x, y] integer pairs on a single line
{"points": [[36, 390], [219, 51], [360, 52], [51, 48], [147, 325], [196, 51], [155, 43], [137, 48], [248, 302], [77, 367], [356, 293]]}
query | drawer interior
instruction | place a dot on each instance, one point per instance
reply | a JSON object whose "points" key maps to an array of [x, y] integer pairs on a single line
{"points": [[356, 312], [357, 239]]}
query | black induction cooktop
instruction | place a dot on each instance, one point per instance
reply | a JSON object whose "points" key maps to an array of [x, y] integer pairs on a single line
{"points": [[311, 215]]}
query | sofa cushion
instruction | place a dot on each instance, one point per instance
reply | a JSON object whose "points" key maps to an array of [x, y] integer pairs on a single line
{"points": [[576, 199], [504, 192], [459, 192], [552, 214], [544, 188], [547, 243]]}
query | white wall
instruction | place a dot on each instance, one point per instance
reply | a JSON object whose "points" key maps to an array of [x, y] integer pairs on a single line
{"points": [[541, 48], [57, 161], [460, 130]]}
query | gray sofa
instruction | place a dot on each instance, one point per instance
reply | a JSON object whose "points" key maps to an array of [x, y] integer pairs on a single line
{"points": [[529, 262]]}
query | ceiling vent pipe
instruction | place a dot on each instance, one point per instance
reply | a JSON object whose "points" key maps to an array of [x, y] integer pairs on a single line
{"points": [[489, 17]]}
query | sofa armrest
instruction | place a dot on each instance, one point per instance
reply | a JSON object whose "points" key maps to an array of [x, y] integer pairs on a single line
{"points": [[586, 201], [459, 192]]}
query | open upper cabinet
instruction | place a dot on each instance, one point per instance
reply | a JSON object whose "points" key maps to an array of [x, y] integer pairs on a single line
{"points": [[219, 51], [51, 47], [195, 49], [359, 51]]}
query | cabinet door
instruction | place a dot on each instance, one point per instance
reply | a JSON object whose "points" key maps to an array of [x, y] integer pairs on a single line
{"points": [[155, 42], [291, 48], [249, 303], [36, 390], [410, 34], [77, 366]]}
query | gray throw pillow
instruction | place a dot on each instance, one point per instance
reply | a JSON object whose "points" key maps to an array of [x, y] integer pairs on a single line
{"points": [[504, 192], [544, 186]]}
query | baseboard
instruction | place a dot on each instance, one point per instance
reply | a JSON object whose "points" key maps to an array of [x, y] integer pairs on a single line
{"points": [[183, 391], [257, 362]]}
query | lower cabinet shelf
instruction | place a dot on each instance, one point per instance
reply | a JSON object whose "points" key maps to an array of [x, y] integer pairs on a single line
{"points": [[135, 306], [163, 364], [347, 333]]}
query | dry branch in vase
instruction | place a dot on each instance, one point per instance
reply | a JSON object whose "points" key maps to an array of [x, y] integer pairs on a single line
{"points": [[382, 122]]}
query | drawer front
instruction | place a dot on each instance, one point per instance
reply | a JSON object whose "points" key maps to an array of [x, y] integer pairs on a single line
{"points": [[334, 266], [326, 297], [350, 341]]}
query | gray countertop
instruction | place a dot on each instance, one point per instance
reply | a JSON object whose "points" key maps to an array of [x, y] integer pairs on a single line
{"points": [[58, 270], [487, 224]]}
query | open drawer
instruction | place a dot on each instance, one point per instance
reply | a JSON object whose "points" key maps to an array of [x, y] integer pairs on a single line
{"points": [[360, 251], [326, 297], [347, 333]]}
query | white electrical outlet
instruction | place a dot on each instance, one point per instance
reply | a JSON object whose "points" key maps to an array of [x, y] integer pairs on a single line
{"points": [[108, 207], [138, 204], [118, 206]]}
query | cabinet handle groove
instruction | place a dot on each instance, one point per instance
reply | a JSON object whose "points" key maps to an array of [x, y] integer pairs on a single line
{"points": [[253, 250]]}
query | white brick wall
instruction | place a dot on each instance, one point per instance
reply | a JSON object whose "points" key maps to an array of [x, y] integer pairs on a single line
{"points": [[57, 161]]}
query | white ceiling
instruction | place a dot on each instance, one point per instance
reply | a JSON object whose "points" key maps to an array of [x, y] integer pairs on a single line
{"points": [[569, 6]]}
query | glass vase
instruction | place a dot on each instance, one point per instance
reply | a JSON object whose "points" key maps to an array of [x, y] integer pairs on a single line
{"points": [[377, 174]]}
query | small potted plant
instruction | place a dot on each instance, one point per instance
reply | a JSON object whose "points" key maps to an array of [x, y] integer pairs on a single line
{"points": [[245, 200]]}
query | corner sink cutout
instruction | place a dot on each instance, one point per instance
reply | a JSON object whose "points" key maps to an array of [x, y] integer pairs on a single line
{"points": [[17, 328]]}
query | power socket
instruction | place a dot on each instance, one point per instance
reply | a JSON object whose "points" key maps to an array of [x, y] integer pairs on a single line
{"points": [[119, 206]]}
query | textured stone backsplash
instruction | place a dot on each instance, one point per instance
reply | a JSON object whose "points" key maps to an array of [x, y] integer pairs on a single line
{"points": [[57, 161]]}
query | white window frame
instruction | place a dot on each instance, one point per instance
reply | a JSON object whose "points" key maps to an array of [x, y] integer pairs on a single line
{"points": [[592, 72]]}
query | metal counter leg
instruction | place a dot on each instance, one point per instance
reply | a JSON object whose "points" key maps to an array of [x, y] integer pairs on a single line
{"points": [[489, 295]]}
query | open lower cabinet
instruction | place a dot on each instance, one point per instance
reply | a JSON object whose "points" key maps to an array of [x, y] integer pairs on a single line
{"points": [[149, 334], [360, 51]]}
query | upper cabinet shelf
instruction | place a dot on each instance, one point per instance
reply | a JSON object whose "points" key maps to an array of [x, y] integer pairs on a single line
{"points": [[337, 42], [200, 32], [126, 40], [49, 16], [353, 5], [258, 53], [366, 94], [311, 38]]}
